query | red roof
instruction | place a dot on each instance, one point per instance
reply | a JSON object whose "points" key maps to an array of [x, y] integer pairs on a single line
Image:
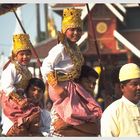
{"points": [[43, 48]]}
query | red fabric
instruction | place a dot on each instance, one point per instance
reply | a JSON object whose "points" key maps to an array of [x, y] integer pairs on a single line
{"points": [[14, 112], [107, 39]]}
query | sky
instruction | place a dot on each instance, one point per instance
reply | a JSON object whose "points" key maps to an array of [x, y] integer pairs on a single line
{"points": [[28, 14]]}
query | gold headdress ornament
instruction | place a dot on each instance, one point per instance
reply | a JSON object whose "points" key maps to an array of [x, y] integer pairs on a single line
{"points": [[71, 19], [21, 42]]}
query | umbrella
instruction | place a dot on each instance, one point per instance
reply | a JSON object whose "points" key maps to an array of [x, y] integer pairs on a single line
{"points": [[5, 8]]}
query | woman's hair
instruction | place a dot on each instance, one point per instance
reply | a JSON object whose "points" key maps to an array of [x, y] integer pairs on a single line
{"points": [[36, 82]]}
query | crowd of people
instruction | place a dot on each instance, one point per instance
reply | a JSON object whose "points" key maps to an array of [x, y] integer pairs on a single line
{"points": [[70, 109]]}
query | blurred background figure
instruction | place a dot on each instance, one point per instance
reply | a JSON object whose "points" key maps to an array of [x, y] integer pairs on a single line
{"points": [[88, 79], [117, 93]]}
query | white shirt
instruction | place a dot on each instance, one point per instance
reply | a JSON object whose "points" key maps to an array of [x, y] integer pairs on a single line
{"points": [[121, 119], [8, 78], [57, 59], [6, 124]]}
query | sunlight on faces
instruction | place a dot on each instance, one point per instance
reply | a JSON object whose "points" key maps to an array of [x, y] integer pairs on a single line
{"points": [[74, 34], [35, 94], [131, 90], [23, 57]]}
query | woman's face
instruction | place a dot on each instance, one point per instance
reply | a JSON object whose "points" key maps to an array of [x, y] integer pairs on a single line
{"points": [[23, 57], [73, 34]]}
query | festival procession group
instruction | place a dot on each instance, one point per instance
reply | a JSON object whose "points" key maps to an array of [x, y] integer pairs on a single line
{"points": [[66, 85]]}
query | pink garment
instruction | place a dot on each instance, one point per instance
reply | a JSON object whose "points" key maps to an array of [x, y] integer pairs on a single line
{"points": [[78, 107], [14, 112]]}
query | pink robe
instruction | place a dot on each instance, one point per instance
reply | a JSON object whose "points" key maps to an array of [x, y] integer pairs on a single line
{"points": [[13, 111], [78, 107]]}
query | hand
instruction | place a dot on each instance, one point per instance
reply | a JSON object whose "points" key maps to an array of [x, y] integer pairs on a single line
{"points": [[60, 124], [34, 123]]}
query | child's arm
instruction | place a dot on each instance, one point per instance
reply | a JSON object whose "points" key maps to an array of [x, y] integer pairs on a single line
{"points": [[54, 57], [8, 79]]}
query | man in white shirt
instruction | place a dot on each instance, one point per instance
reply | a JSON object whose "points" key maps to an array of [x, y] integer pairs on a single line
{"points": [[122, 117]]}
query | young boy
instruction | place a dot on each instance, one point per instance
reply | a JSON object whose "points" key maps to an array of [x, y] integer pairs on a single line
{"points": [[35, 93], [88, 78], [17, 113]]}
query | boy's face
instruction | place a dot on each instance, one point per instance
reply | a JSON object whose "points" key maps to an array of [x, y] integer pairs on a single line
{"points": [[35, 94], [23, 57], [89, 83]]}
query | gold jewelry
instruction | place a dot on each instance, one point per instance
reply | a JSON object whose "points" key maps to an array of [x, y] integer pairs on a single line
{"points": [[77, 59], [71, 19], [26, 76], [52, 80]]}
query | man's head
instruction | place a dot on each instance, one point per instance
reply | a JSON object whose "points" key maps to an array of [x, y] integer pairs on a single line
{"points": [[88, 78], [129, 76], [35, 90]]}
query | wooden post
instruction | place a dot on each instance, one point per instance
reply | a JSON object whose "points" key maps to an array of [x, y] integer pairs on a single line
{"points": [[38, 22]]}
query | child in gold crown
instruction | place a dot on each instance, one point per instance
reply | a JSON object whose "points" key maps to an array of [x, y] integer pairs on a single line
{"points": [[72, 104], [18, 115]]}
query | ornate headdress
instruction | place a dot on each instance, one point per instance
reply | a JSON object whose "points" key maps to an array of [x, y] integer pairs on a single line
{"points": [[21, 42], [71, 19]]}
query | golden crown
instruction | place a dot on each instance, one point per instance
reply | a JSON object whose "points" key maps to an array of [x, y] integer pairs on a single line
{"points": [[71, 19], [21, 42]]}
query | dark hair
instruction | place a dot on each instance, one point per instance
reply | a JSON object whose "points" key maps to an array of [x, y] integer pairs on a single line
{"points": [[124, 82], [36, 82], [115, 75], [87, 71]]}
